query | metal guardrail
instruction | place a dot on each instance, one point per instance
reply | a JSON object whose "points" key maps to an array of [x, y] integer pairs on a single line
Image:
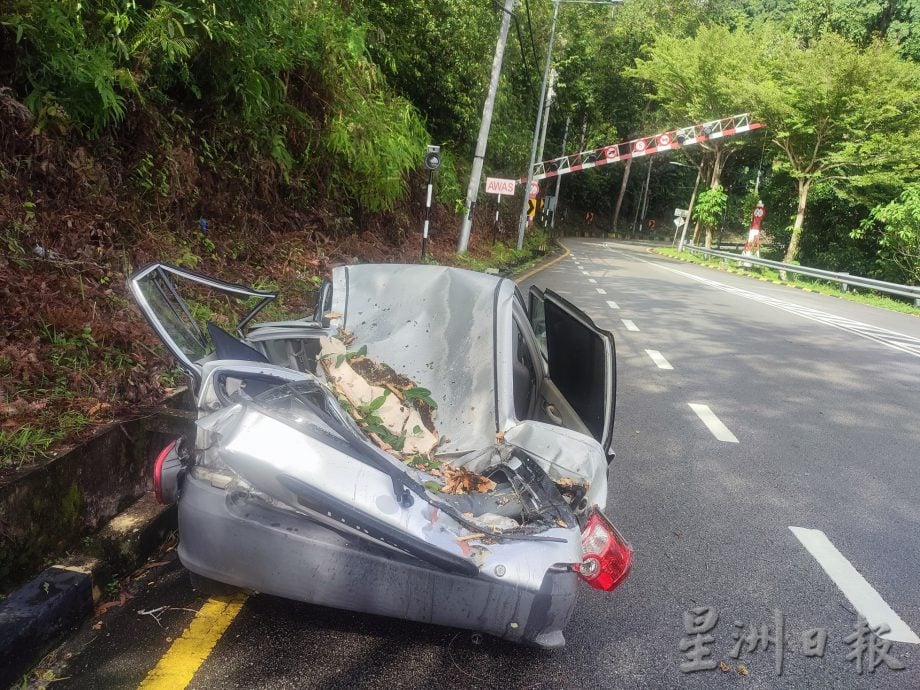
{"points": [[845, 279], [737, 246]]}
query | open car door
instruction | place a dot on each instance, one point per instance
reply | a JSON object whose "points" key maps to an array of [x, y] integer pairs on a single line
{"points": [[581, 366], [171, 300]]}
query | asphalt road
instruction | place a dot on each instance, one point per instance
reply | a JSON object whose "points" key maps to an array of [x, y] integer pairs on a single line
{"points": [[815, 401]]}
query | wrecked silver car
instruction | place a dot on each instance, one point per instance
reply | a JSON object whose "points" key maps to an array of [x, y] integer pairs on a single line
{"points": [[426, 446]]}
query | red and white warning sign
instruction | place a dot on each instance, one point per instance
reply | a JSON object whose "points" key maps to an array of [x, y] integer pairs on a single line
{"points": [[664, 140], [534, 189], [498, 185]]}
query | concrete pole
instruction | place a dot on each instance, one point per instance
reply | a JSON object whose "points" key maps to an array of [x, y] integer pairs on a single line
{"points": [[522, 221], [683, 232], [565, 138], [549, 102], [619, 204], [472, 191], [648, 178]]}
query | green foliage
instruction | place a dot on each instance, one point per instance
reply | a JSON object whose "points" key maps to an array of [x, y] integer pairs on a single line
{"points": [[710, 205], [690, 81], [287, 79], [840, 114], [422, 395], [24, 444], [898, 226]]}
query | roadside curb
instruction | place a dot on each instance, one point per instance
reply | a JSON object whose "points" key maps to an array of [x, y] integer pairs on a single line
{"points": [[55, 602], [544, 264]]}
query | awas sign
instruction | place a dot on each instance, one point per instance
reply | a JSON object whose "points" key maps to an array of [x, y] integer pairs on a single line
{"points": [[496, 185]]}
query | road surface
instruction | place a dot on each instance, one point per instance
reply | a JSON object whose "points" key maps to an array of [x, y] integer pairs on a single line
{"points": [[767, 471]]}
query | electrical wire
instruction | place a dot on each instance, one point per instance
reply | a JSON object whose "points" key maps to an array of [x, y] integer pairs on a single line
{"points": [[533, 45], [526, 71]]}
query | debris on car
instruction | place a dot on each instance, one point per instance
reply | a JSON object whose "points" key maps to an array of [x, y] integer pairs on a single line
{"points": [[397, 414], [425, 436]]}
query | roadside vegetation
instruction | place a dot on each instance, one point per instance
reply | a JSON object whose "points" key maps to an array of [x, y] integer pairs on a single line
{"points": [[825, 287], [265, 142]]}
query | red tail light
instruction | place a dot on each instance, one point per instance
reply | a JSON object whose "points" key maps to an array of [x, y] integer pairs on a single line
{"points": [[158, 471], [607, 556]]}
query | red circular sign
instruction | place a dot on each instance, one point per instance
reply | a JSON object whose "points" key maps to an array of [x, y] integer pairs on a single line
{"points": [[664, 140], [640, 146], [611, 152]]}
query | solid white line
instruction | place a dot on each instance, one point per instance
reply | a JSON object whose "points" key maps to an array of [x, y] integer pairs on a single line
{"points": [[630, 326], [876, 334], [601, 291], [591, 280], [713, 423], [861, 594], [612, 305], [658, 359]]}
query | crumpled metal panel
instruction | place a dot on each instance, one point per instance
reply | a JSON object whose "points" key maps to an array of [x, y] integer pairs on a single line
{"points": [[563, 453], [436, 325], [262, 449]]}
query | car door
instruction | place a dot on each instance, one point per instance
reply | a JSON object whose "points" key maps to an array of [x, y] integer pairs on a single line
{"points": [[166, 296], [580, 361]]}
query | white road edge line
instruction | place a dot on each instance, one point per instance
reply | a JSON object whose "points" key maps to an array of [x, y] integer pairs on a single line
{"points": [[601, 291], [612, 304], [861, 594], [713, 423], [630, 326], [658, 359]]}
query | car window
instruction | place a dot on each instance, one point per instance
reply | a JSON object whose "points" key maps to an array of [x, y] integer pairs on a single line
{"points": [[538, 323], [577, 365], [524, 372]]}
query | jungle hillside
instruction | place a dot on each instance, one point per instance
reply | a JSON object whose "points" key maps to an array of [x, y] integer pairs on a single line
{"points": [[266, 142]]}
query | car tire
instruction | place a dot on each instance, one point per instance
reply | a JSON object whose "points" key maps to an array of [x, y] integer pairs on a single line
{"points": [[211, 588]]}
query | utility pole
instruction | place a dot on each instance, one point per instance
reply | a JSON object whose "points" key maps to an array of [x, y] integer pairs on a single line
{"points": [[641, 207], [565, 137], [472, 191], [550, 94], [522, 221], [623, 183]]}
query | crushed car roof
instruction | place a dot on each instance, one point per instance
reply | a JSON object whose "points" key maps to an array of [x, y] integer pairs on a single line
{"points": [[437, 325]]}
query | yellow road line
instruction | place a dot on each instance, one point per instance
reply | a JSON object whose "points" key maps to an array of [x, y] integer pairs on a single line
{"points": [[534, 271], [183, 659]]}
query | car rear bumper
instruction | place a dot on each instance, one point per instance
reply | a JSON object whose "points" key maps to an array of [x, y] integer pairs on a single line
{"points": [[233, 538]]}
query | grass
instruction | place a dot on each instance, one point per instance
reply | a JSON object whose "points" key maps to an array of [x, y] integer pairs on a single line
{"points": [[504, 257], [869, 297], [29, 443]]}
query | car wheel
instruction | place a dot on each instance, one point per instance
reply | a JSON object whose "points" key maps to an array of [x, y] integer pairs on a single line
{"points": [[211, 588]]}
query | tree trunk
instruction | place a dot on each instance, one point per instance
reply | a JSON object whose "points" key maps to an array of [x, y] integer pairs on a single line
{"points": [[717, 164], [616, 209], [793, 250], [705, 164]]}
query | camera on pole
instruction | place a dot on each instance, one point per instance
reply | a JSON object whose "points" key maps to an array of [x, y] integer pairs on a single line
{"points": [[433, 158], [432, 162]]}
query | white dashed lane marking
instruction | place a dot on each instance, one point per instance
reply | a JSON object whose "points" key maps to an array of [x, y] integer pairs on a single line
{"points": [[713, 423], [892, 339], [601, 291], [658, 359], [630, 326], [612, 305], [591, 280], [854, 586]]}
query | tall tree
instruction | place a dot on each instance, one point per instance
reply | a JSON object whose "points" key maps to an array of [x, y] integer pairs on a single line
{"points": [[838, 113], [696, 79]]}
